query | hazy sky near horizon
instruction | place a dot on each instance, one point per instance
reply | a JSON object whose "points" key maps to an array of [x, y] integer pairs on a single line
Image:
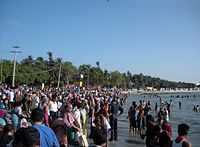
{"points": [[156, 37]]}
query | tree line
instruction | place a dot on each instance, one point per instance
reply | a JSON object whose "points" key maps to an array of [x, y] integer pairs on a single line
{"points": [[31, 71]]}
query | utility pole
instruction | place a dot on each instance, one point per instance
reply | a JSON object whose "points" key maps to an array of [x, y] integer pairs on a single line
{"points": [[88, 77], [15, 51], [59, 76]]}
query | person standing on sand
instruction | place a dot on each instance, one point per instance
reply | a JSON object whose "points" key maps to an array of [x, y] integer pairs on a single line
{"points": [[132, 118], [99, 133], [114, 110]]}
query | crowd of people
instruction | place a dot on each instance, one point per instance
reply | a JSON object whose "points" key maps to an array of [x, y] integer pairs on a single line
{"points": [[52, 117], [74, 116], [153, 124]]}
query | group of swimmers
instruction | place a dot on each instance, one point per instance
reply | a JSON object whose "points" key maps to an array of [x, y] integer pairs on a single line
{"points": [[196, 108]]}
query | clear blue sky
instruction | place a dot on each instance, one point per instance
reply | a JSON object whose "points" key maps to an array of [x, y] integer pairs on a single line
{"points": [[155, 37]]}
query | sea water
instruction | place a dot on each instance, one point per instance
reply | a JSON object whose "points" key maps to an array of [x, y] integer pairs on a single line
{"points": [[183, 115]]}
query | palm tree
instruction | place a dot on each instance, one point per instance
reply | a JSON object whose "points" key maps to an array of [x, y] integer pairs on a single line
{"points": [[59, 60], [52, 74], [98, 64], [28, 60], [39, 59], [50, 54]]}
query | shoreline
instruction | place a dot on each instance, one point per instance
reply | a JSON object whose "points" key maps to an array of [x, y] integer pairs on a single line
{"points": [[131, 92]]}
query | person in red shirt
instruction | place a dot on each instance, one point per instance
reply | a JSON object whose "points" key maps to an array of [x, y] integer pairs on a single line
{"points": [[165, 138], [166, 126]]}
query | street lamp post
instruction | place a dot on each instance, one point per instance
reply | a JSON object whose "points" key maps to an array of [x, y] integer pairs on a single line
{"points": [[15, 51], [1, 71], [59, 76], [88, 77]]}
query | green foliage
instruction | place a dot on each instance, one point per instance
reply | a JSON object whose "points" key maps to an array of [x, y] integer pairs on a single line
{"points": [[6, 71], [116, 78], [37, 71]]}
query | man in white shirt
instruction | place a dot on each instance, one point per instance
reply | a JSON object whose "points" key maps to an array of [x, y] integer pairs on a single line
{"points": [[11, 95], [53, 108]]}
